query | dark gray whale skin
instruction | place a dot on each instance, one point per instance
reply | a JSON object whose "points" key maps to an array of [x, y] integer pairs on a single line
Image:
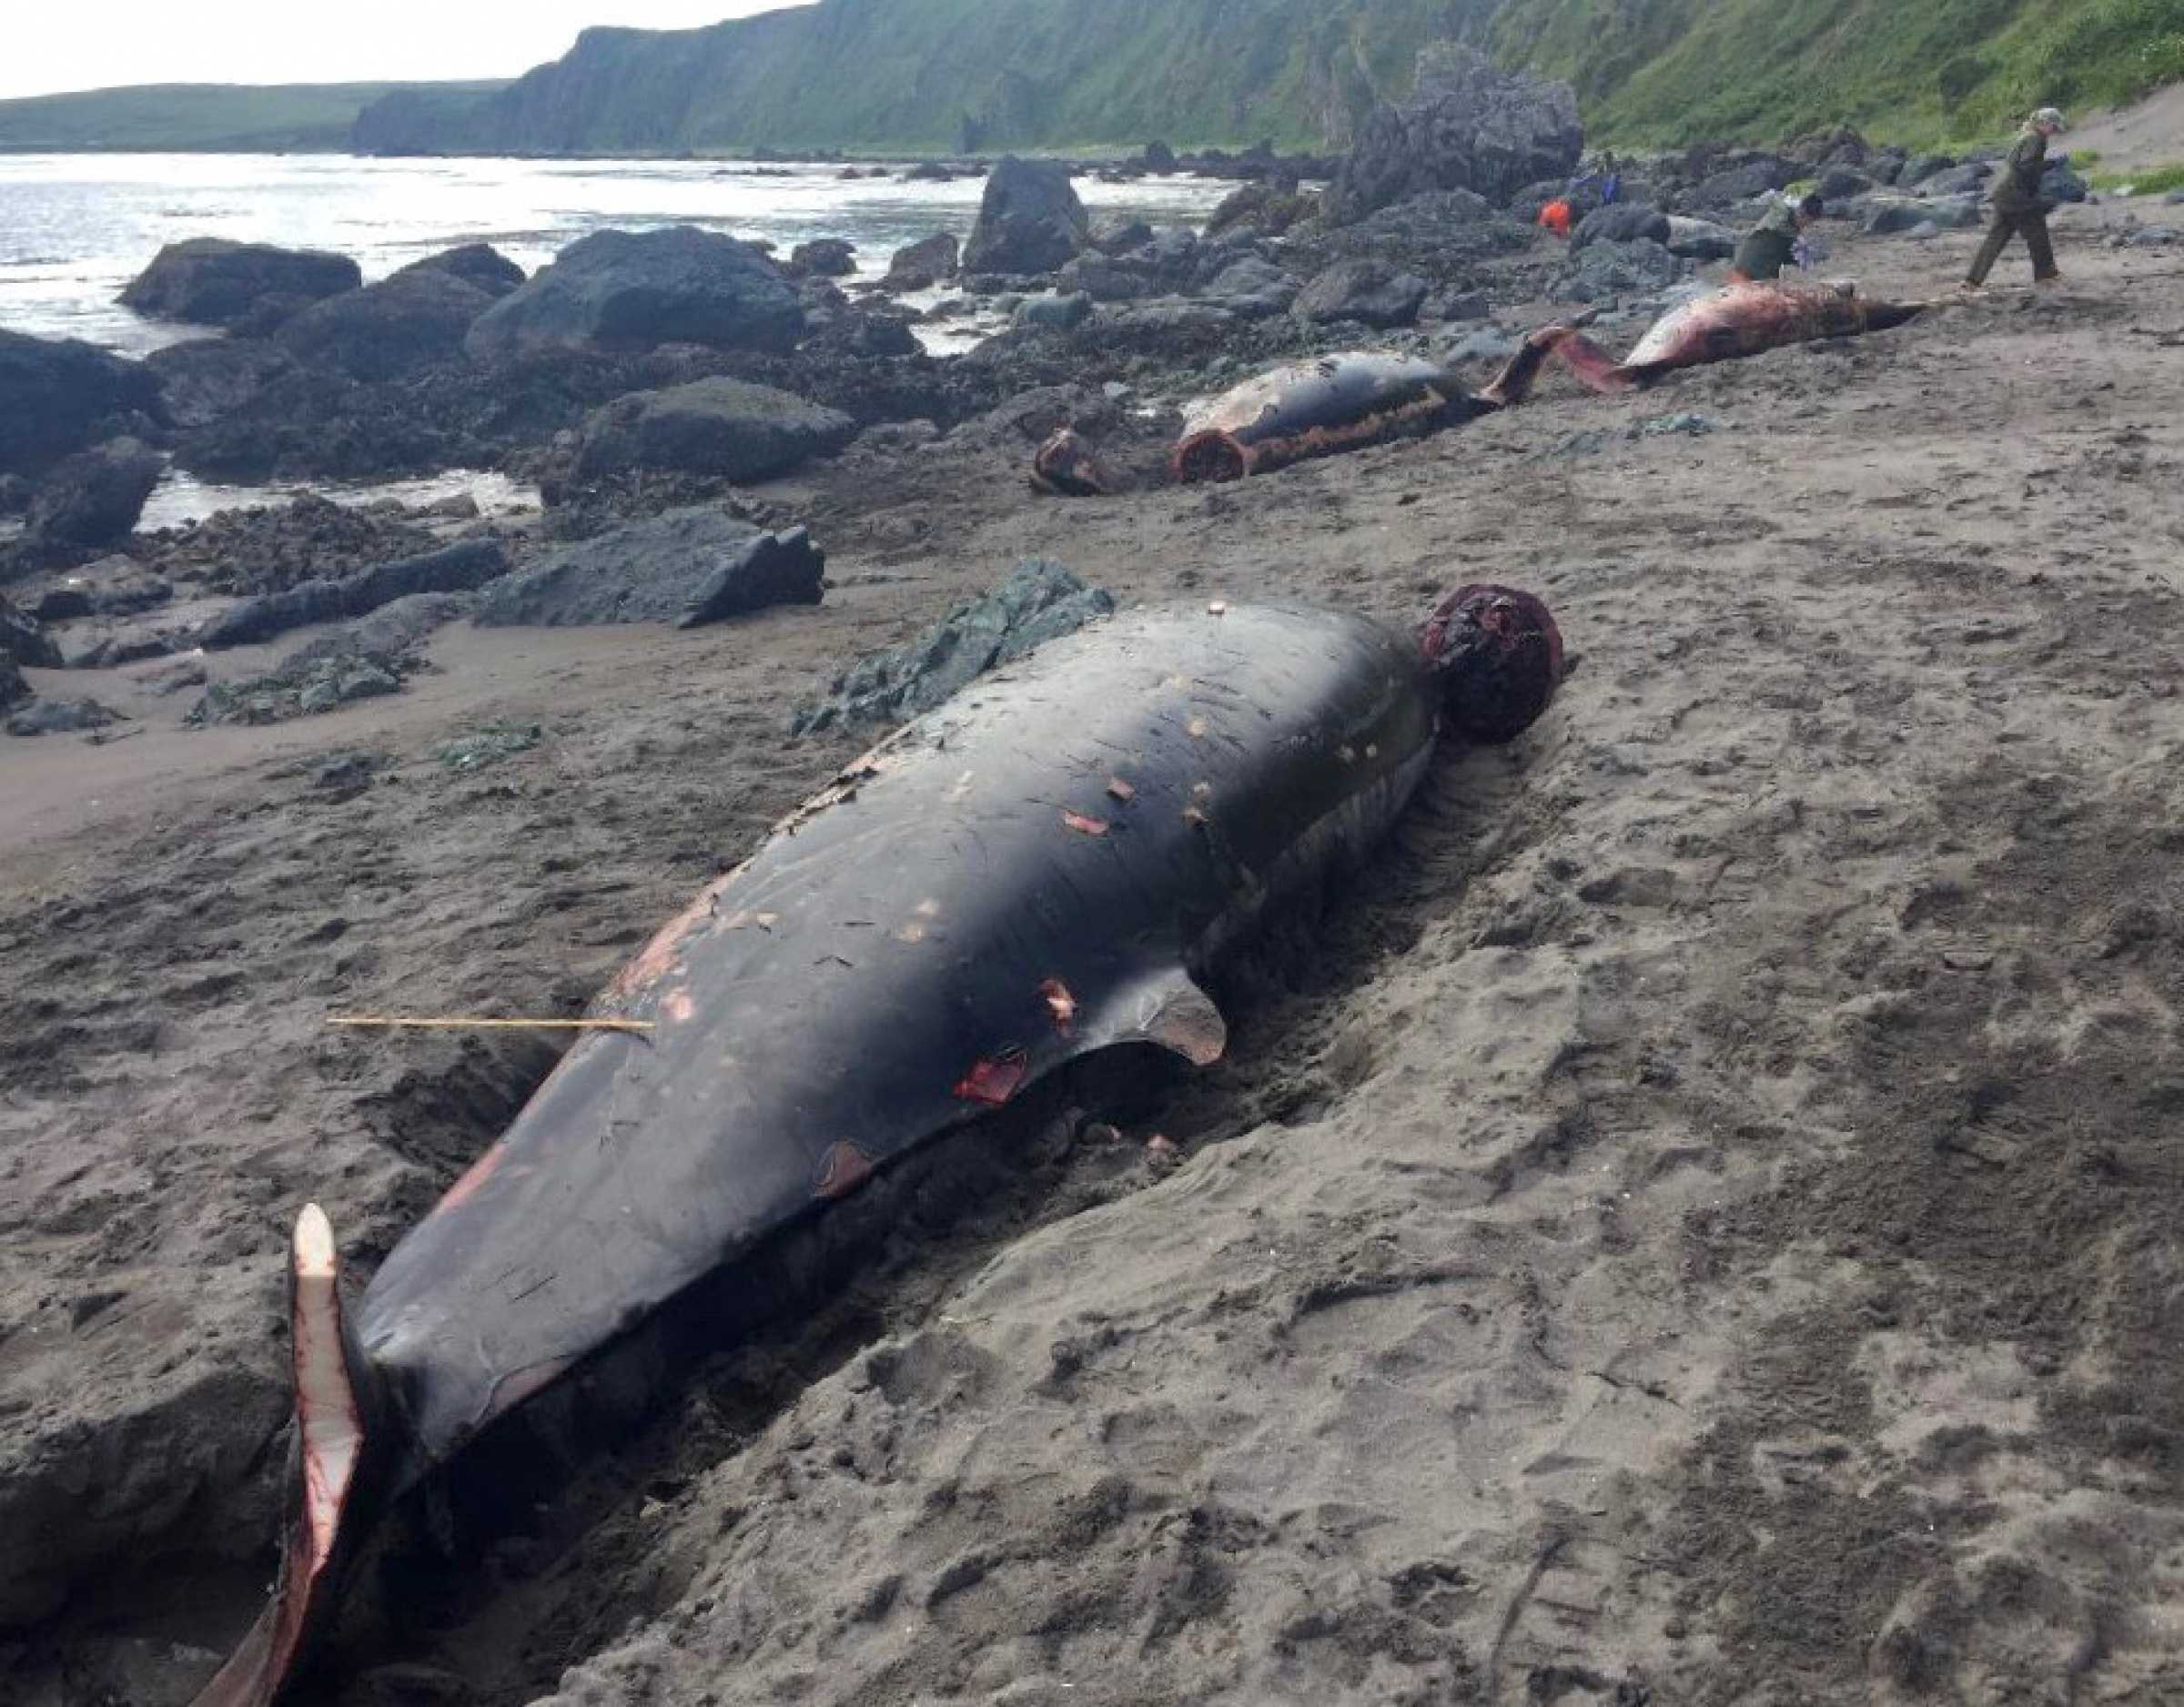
{"points": [[1037, 870]]}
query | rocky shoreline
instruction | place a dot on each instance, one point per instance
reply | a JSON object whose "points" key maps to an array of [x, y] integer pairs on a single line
{"points": [[644, 371]]}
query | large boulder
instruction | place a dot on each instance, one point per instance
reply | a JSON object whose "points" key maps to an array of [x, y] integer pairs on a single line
{"points": [[94, 499], [1612, 269], [774, 569], [1620, 222], [823, 258], [684, 567], [623, 290], [1699, 239], [2060, 184], [457, 568], [1039, 601], [726, 427], [1468, 125], [479, 263], [1840, 183], [1949, 213], [211, 281], [1105, 280], [1063, 312], [208, 377], [1267, 209], [921, 265], [1119, 237], [22, 642], [1369, 291], [1958, 181], [1251, 289], [1736, 183], [384, 331], [57, 397], [1442, 237], [1029, 221], [14, 690], [869, 333]]}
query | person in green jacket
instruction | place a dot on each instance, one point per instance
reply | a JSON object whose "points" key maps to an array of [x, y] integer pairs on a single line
{"points": [[1772, 243], [2020, 210]]}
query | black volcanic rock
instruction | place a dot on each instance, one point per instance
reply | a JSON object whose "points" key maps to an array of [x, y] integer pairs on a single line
{"points": [[479, 263], [94, 499], [57, 397], [1030, 221], [1621, 222], [621, 290], [211, 281], [206, 377], [22, 642], [721, 427], [823, 258], [1366, 290], [921, 265], [683, 566], [1468, 125], [383, 331]]}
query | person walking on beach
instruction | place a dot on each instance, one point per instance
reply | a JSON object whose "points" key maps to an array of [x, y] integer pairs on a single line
{"points": [[2021, 209], [1772, 243]]}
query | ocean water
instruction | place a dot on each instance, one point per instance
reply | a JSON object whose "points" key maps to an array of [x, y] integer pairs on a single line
{"points": [[74, 228]]}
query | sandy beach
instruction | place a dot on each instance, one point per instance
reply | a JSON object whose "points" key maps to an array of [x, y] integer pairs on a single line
{"points": [[1694, 1224]]}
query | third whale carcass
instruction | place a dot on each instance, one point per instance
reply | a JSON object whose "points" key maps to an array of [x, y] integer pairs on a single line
{"points": [[1742, 320], [1318, 408], [1039, 871]]}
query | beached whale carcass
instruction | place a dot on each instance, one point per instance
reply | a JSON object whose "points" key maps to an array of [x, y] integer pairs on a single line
{"points": [[1041, 869], [1740, 320], [1318, 408]]}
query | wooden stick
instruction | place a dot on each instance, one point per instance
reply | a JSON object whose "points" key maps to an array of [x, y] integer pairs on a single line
{"points": [[469, 1022]]}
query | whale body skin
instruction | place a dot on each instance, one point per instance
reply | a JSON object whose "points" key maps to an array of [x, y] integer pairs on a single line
{"points": [[1037, 870]]}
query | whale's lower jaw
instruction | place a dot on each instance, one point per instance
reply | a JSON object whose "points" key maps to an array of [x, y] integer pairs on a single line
{"points": [[327, 1459]]}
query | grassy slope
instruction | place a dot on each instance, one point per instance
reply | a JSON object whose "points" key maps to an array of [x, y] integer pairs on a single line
{"points": [[1915, 69], [194, 116], [886, 75], [880, 74]]}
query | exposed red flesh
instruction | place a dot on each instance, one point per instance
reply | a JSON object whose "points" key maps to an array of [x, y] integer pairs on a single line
{"points": [[330, 1433], [993, 1081]]}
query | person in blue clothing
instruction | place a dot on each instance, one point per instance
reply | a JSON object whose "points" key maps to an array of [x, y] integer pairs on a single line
{"points": [[1604, 182]]}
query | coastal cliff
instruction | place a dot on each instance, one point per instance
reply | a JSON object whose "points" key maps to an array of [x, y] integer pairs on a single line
{"points": [[876, 76]]}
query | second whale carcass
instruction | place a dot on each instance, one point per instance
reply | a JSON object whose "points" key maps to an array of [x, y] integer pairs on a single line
{"points": [[1740, 320], [1317, 409], [1041, 870]]}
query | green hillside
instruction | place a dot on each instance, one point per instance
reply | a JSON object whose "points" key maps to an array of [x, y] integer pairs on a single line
{"points": [[933, 75], [198, 118], [936, 75], [877, 74], [1662, 70]]}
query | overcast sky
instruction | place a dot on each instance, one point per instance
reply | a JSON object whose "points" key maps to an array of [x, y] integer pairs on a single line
{"points": [[48, 45]]}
